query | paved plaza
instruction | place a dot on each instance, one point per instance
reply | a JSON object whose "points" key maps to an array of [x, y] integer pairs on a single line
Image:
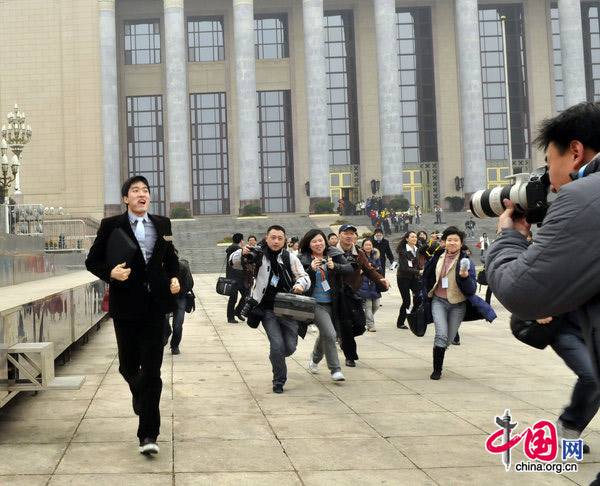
{"points": [[388, 423]]}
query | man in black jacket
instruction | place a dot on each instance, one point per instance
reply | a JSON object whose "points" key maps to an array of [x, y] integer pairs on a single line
{"points": [[141, 293], [383, 245], [240, 278]]}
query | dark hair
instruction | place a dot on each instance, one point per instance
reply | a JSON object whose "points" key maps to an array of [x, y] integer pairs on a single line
{"points": [[330, 235], [253, 236], [453, 230], [237, 237], [368, 238], [578, 122], [424, 232], [378, 230], [304, 246], [132, 180], [275, 227], [402, 243]]}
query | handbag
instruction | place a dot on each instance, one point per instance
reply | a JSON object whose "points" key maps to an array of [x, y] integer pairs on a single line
{"points": [[416, 320], [190, 302], [105, 300], [482, 277], [226, 286], [533, 333]]}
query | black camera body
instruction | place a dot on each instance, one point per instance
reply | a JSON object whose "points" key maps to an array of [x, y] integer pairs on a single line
{"points": [[255, 255], [530, 194], [248, 306]]}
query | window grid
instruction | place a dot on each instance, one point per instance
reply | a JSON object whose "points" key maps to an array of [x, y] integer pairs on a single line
{"points": [[341, 88], [590, 13], [417, 85], [205, 39], [142, 42], [210, 158], [271, 36], [559, 95], [275, 151], [145, 146], [492, 67]]}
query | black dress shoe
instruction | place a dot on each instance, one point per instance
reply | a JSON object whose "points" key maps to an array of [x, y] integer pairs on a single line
{"points": [[175, 350], [350, 363], [402, 326], [240, 317], [277, 388], [232, 321]]}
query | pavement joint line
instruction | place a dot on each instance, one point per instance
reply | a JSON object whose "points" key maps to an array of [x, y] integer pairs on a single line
{"points": [[252, 393]]}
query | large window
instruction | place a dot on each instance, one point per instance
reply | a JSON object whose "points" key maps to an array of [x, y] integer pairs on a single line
{"points": [[557, 56], [271, 36], [142, 42], [590, 13], [275, 151], [417, 86], [341, 88], [145, 149], [590, 19], [492, 67], [205, 39], [210, 159]]}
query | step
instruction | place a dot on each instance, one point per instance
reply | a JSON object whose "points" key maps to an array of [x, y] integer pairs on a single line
{"points": [[33, 368]]}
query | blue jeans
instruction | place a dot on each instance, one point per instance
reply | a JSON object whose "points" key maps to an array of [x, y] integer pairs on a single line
{"points": [[447, 318], [585, 399], [178, 316], [283, 338]]}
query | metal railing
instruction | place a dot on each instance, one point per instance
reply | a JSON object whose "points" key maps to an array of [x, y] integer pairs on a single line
{"points": [[66, 234], [25, 219]]}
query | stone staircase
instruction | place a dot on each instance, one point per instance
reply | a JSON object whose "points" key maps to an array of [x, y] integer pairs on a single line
{"points": [[197, 239]]}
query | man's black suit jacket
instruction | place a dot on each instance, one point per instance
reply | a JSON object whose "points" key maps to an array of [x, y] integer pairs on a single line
{"points": [[384, 251], [147, 290]]}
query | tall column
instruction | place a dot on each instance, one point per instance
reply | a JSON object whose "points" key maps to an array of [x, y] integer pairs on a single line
{"points": [[316, 100], [571, 48], [110, 107], [178, 134], [471, 102], [388, 85], [247, 121]]}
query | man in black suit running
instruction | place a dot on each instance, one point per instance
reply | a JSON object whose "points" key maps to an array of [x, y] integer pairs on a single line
{"points": [[141, 293]]}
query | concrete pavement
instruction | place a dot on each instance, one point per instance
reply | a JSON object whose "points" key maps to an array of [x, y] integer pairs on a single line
{"points": [[388, 423]]}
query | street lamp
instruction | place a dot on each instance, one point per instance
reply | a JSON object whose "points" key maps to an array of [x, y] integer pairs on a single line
{"points": [[14, 135]]}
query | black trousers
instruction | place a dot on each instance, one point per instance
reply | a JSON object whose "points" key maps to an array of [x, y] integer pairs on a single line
{"points": [[232, 309], [141, 347], [406, 286], [348, 341]]}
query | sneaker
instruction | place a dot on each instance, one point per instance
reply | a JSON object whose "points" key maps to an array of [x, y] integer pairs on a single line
{"points": [[456, 340], [372, 329], [175, 350], [350, 363], [313, 328], [563, 432], [277, 388], [148, 446], [337, 376], [312, 366]]}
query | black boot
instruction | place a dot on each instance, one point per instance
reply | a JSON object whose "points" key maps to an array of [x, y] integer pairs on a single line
{"points": [[438, 361]]}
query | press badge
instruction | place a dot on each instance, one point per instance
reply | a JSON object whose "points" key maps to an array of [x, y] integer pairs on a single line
{"points": [[444, 282], [325, 285], [274, 281]]}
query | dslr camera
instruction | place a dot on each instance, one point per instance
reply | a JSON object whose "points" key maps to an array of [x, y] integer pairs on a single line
{"points": [[248, 306], [255, 255], [530, 194]]}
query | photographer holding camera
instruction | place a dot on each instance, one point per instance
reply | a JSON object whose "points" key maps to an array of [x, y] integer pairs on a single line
{"points": [[560, 272], [275, 270]]}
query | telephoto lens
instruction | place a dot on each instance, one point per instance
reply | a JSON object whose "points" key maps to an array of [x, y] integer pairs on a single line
{"points": [[530, 194]]}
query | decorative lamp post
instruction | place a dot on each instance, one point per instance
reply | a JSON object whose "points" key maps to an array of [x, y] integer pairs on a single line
{"points": [[14, 135]]}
